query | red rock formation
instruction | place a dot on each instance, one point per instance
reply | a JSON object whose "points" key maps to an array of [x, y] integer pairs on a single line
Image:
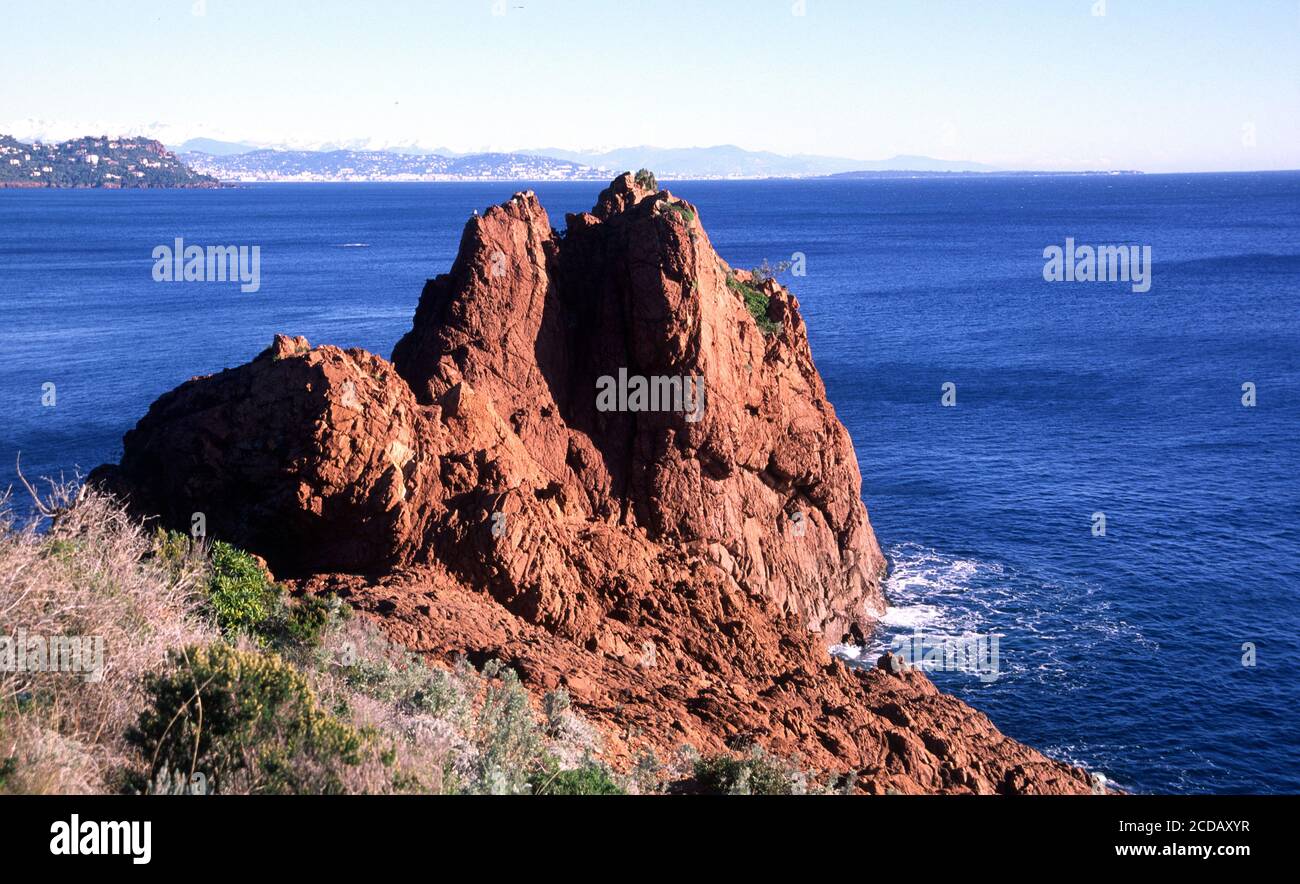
{"points": [[532, 321], [310, 457], [680, 571]]}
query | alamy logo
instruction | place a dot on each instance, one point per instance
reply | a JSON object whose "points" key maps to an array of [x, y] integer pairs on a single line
{"points": [[89, 838], [80, 654], [182, 263], [638, 393], [1099, 264]]}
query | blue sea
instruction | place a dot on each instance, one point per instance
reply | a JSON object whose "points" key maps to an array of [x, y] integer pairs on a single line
{"points": [[1122, 653]]}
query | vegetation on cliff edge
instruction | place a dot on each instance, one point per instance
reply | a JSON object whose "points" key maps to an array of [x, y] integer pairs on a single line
{"points": [[213, 679]]}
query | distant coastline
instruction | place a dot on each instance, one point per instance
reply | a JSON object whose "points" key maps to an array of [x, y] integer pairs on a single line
{"points": [[102, 162], [238, 162], [867, 176], [345, 166], [96, 162]]}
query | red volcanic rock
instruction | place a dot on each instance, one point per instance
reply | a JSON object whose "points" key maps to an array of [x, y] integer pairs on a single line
{"points": [[314, 459], [690, 658], [680, 571], [764, 483]]}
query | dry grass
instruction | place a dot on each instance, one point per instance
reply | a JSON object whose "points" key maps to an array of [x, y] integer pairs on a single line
{"points": [[86, 569], [89, 574]]}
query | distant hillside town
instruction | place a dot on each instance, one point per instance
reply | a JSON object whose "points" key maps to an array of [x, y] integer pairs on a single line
{"points": [[369, 165], [95, 162], [239, 161]]}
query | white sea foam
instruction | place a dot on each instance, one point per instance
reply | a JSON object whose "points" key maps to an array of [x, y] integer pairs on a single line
{"points": [[852, 653], [928, 592], [1048, 627], [911, 616]]}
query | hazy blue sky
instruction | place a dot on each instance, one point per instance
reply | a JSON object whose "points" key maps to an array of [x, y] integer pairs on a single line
{"points": [[1153, 84]]}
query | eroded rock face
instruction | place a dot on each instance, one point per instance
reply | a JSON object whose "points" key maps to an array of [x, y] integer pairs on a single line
{"points": [[686, 657], [318, 460], [762, 479], [681, 571]]}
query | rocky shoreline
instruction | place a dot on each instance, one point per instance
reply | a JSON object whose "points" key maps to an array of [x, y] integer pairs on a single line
{"points": [[679, 573]]}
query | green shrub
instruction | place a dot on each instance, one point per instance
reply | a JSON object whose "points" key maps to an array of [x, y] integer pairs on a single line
{"points": [[304, 622], [757, 303], [241, 596], [62, 549], [649, 772], [248, 721], [757, 774], [414, 686], [681, 210], [171, 549], [244, 601], [507, 737], [589, 779], [645, 179]]}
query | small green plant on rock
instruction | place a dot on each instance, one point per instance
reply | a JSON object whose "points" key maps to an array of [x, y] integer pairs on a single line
{"points": [[173, 550], [680, 210], [649, 772], [756, 301], [413, 686], [555, 706], [645, 179]]}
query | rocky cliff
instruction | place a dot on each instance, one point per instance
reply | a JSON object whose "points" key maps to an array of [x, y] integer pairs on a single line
{"points": [[591, 459]]}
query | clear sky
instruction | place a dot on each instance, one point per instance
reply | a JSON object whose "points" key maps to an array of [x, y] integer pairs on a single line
{"points": [[1159, 85]]}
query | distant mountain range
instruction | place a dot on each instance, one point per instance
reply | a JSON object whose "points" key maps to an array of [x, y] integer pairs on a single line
{"points": [[729, 161], [241, 161], [217, 147], [370, 165]]}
